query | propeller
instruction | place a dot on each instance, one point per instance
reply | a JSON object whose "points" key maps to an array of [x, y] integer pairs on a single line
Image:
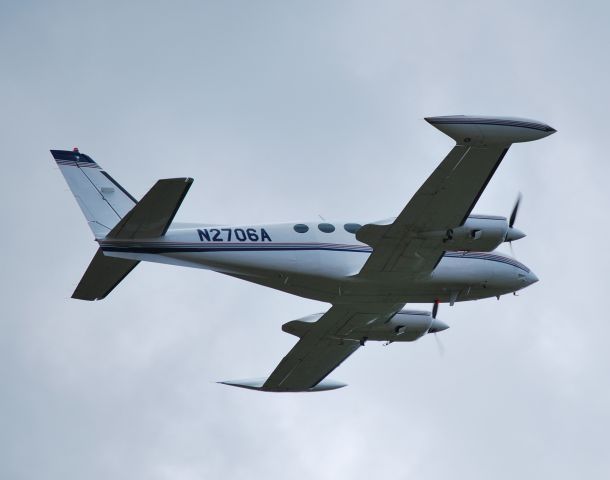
{"points": [[514, 233], [441, 349], [513, 215]]}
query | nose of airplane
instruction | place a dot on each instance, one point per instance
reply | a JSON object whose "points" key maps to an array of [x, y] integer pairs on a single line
{"points": [[531, 278], [437, 326]]}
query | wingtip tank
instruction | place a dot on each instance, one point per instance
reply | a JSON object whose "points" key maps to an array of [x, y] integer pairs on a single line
{"points": [[481, 130], [259, 384]]}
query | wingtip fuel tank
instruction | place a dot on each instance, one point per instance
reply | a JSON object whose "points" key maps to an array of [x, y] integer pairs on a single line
{"points": [[481, 130]]}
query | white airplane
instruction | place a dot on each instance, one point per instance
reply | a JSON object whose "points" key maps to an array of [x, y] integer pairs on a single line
{"points": [[434, 251]]}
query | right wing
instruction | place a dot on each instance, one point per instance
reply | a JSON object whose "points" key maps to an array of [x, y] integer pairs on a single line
{"points": [[321, 349], [413, 244], [443, 202], [409, 246]]}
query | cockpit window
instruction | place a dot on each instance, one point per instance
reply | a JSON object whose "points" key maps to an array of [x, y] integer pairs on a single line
{"points": [[326, 227], [352, 227], [301, 228]]}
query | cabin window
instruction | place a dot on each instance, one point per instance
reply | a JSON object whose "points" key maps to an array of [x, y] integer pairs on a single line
{"points": [[352, 227], [301, 228], [326, 227]]}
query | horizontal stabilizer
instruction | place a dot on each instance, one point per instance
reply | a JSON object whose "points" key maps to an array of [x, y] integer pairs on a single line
{"points": [[102, 275], [152, 216], [257, 384]]}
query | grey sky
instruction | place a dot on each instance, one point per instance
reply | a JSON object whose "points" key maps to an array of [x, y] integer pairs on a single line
{"points": [[283, 111]]}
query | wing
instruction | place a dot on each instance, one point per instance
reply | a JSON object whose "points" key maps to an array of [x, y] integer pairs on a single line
{"points": [[443, 202], [409, 246], [323, 346], [412, 244]]}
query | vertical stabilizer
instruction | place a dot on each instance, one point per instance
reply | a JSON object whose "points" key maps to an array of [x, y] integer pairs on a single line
{"points": [[102, 200]]}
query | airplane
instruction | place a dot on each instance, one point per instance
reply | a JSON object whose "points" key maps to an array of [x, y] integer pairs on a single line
{"points": [[434, 251]]}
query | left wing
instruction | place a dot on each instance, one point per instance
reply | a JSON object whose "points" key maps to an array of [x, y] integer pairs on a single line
{"points": [[321, 349]]}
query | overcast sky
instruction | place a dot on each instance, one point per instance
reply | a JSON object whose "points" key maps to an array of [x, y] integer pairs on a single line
{"points": [[285, 111]]}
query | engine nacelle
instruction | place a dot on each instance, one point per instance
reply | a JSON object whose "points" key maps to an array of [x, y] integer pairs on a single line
{"points": [[482, 233], [404, 326]]}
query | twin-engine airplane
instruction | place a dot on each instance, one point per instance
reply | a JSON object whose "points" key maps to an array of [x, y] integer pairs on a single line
{"points": [[434, 251]]}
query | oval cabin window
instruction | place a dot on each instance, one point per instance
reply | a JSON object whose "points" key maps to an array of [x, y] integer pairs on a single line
{"points": [[326, 227], [352, 227]]}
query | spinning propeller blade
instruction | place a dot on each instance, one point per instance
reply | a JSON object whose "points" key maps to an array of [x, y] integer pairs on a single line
{"points": [[513, 215], [441, 348], [514, 233]]}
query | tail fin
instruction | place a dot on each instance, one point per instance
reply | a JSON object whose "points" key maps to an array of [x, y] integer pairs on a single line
{"points": [[102, 200], [114, 214]]}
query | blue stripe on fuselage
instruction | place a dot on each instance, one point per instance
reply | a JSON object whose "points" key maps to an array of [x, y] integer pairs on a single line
{"points": [[176, 247]]}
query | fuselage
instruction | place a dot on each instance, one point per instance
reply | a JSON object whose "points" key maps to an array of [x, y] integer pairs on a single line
{"points": [[321, 260]]}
